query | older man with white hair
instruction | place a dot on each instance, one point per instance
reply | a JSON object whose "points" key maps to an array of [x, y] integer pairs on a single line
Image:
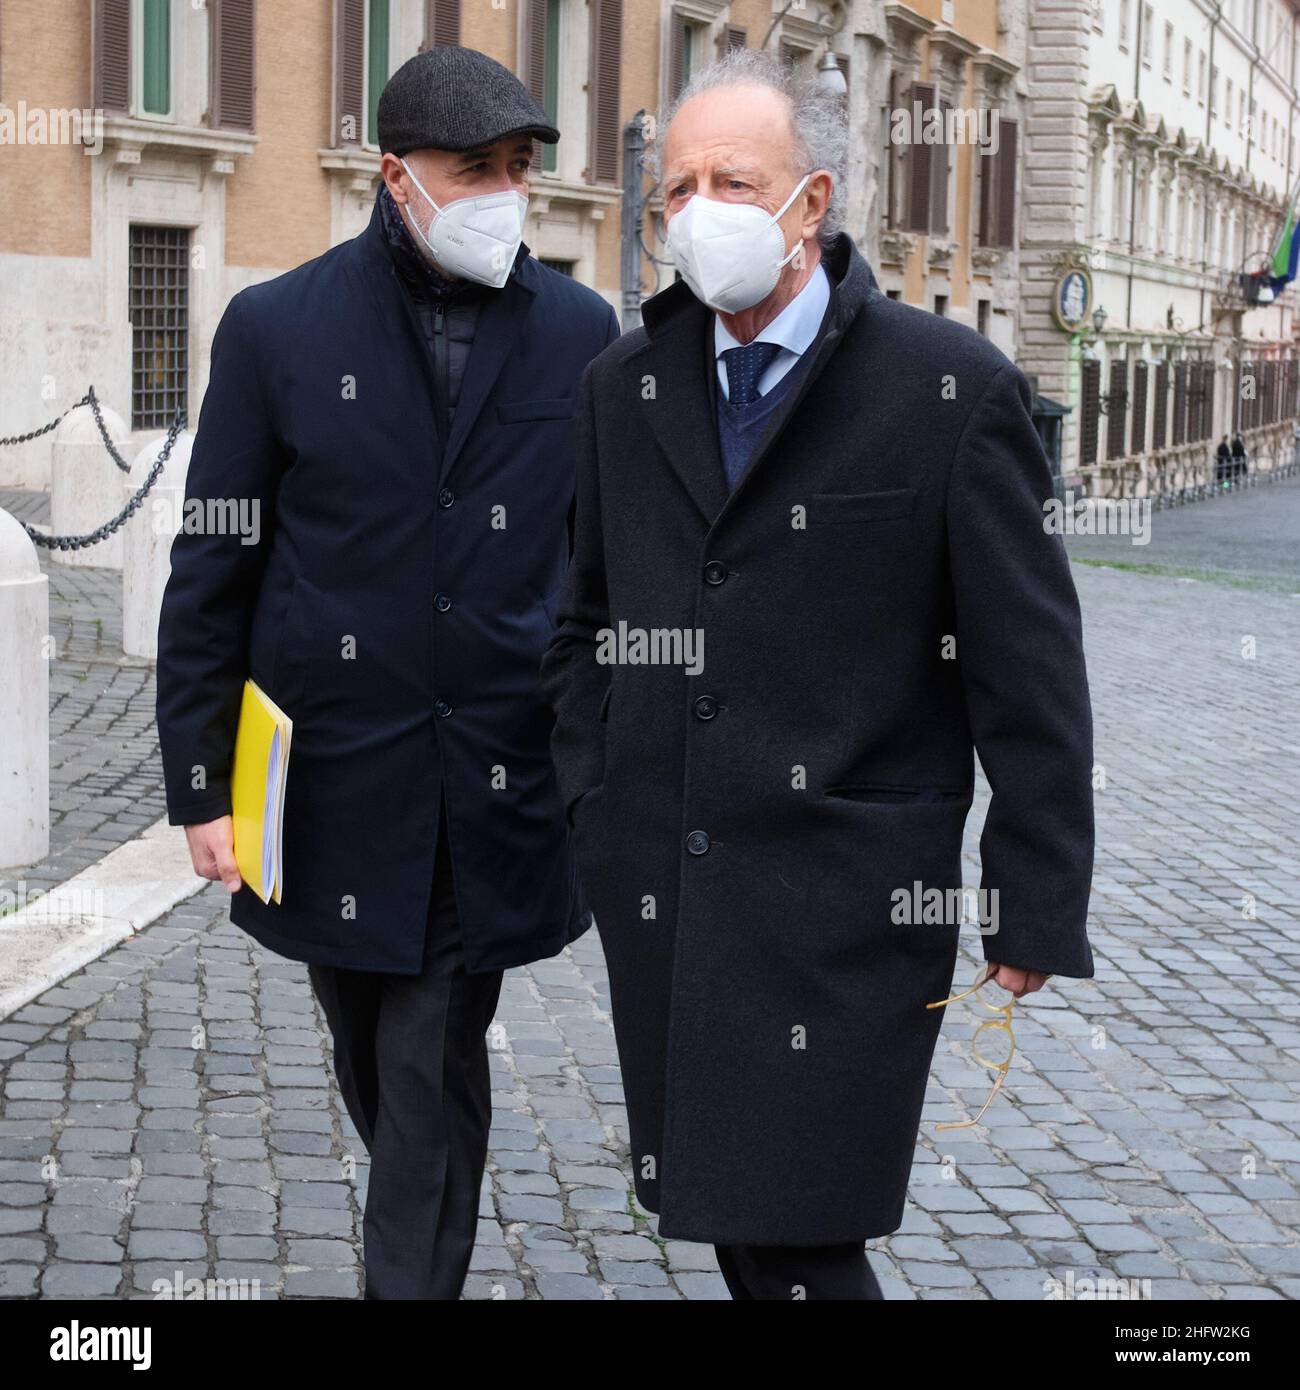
{"points": [[840, 497]]}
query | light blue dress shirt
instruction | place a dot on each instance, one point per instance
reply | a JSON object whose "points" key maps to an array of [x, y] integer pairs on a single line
{"points": [[794, 328]]}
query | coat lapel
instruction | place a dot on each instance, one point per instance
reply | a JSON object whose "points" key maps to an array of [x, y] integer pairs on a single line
{"points": [[852, 285], [679, 358], [500, 324], [674, 368], [500, 321]]}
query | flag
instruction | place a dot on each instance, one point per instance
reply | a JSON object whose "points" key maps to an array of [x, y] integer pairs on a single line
{"points": [[1284, 259], [1283, 268]]}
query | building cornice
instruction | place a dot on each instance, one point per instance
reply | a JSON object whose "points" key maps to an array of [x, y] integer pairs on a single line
{"points": [[129, 138]]}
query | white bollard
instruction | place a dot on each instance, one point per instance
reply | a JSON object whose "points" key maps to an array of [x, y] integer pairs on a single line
{"points": [[24, 699], [86, 485], [147, 543]]}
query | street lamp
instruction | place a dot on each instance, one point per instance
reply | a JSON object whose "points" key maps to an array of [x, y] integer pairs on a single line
{"points": [[1099, 317], [830, 76]]}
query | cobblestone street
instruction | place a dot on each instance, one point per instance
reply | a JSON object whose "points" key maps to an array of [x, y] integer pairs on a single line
{"points": [[170, 1109]]}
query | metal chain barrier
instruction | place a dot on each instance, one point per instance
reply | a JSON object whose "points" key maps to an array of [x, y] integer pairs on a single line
{"points": [[103, 532], [87, 399], [92, 401], [117, 458]]}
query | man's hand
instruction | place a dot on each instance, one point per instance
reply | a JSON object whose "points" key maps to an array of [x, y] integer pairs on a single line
{"points": [[1018, 982], [212, 850]]}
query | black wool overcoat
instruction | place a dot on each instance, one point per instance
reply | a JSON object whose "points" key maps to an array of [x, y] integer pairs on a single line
{"points": [[396, 605], [879, 598]]}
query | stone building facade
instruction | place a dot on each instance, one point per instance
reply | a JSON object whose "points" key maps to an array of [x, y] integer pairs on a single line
{"points": [[236, 142], [1161, 156]]}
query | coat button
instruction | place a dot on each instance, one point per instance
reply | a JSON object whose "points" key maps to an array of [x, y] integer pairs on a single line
{"points": [[715, 572], [446, 497], [441, 708], [706, 707], [441, 602], [697, 842]]}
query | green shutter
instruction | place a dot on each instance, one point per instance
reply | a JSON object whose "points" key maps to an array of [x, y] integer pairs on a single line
{"points": [[376, 66], [156, 68]]}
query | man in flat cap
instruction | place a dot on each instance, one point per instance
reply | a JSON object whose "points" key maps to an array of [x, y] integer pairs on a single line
{"points": [[400, 410]]}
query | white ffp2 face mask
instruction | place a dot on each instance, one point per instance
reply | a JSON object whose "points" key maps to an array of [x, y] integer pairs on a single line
{"points": [[730, 254], [475, 238]]}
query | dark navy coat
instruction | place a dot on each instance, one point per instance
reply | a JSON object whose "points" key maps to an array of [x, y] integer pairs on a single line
{"points": [[396, 606], [878, 598]]}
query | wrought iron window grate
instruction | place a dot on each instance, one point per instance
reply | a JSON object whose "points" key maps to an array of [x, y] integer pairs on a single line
{"points": [[160, 325]]}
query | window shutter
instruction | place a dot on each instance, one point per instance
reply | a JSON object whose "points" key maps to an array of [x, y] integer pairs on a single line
{"points": [[349, 70], [606, 68], [940, 163], [535, 65], [1160, 424], [1138, 444], [1091, 414], [676, 39], [919, 162], [732, 36], [112, 56], [1004, 229], [441, 23], [1117, 409], [233, 64]]}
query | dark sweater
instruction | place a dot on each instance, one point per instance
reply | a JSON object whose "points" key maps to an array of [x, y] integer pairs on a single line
{"points": [[741, 427], [446, 309]]}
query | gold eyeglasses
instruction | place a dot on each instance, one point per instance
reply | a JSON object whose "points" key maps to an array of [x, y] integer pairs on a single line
{"points": [[999, 1041]]}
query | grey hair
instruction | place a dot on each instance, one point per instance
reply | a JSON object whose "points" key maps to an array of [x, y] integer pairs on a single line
{"points": [[817, 118]]}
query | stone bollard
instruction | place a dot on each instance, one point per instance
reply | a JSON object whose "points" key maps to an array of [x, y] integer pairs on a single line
{"points": [[147, 542], [86, 485], [24, 699]]}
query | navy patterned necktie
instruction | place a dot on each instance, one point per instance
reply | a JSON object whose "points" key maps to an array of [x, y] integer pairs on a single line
{"points": [[745, 366]]}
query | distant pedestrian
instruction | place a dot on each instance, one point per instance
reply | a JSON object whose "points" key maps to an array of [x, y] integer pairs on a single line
{"points": [[1222, 460], [1239, 458]]}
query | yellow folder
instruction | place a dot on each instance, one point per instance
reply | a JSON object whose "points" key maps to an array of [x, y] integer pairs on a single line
{"points": [[257, 782]]}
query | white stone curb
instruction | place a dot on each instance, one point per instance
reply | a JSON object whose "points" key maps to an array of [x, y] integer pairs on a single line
{"points": [[55, 935]]}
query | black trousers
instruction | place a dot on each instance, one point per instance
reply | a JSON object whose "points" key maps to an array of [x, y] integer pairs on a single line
{"points": [[791, 1272], [412, 1064]]}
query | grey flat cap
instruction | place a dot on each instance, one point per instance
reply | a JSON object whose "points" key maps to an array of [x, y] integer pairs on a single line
{"points": [[449, 98]]}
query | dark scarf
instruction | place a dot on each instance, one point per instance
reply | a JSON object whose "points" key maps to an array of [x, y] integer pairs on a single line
{"points": [[412, 265]]}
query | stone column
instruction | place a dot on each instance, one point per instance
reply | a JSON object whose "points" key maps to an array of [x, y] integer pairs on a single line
{"points": [[147, 544], [86, 485], [24, 699]]}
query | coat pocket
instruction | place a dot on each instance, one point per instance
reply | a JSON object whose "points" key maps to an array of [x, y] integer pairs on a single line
{"points": [[888, 794], [553, 408], [846, 508]]}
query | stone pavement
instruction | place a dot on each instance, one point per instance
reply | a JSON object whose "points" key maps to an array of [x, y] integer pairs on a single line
{"points": [[1249, 537], [170, 1108]]}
